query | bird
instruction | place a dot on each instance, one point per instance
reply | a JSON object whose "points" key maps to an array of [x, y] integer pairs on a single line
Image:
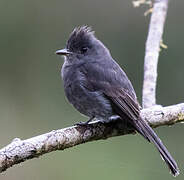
{"points": [[98, 87]]}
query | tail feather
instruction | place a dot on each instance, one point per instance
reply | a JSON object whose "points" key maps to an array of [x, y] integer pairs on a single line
{"points": [[144, 129]]}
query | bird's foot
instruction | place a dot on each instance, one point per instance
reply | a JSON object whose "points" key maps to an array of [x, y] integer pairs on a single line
{"points": [[84, 123]]}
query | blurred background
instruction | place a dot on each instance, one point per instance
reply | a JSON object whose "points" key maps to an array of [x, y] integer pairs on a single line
{"points": [[32, 100]]}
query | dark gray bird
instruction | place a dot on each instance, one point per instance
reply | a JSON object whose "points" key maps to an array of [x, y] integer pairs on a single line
{"points": [[98, 88]]}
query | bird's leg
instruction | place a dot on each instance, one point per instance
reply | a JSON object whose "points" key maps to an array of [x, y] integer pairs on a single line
{"points": [[85, 123]]}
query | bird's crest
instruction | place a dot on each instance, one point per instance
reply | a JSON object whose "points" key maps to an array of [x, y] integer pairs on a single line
{"points": [[81, 33]]}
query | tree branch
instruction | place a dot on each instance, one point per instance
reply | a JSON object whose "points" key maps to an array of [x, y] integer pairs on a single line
{"points": [[21, 150], [152, 52]]}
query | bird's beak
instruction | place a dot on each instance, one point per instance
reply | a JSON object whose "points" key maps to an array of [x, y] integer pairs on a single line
{"points": [[63, 52]]}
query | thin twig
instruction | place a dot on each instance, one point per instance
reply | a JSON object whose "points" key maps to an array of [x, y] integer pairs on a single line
{"points": [[21, 150], [152, 52]]}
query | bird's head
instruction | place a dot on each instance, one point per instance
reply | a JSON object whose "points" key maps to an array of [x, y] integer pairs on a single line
{"points": [[83, 45]]}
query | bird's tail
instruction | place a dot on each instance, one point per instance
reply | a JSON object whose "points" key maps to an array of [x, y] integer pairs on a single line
{"points": [[144, 129]]}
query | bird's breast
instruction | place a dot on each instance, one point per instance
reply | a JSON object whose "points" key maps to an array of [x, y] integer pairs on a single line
{"points": [[89, 103]]}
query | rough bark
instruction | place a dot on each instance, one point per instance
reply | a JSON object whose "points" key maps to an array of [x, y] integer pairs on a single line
{"points": [[21, 150]]}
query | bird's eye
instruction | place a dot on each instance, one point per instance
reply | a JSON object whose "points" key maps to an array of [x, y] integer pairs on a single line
{"points": [[84, 50]]}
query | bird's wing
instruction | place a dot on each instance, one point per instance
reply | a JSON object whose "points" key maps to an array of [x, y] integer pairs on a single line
{"points": [[115, 85], [123, 102]]}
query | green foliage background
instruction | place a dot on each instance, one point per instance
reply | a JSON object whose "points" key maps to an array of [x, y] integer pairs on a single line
{"points": [[32, 100]]}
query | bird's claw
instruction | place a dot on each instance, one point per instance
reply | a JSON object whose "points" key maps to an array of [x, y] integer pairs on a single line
{"points": [[81, 124]]}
